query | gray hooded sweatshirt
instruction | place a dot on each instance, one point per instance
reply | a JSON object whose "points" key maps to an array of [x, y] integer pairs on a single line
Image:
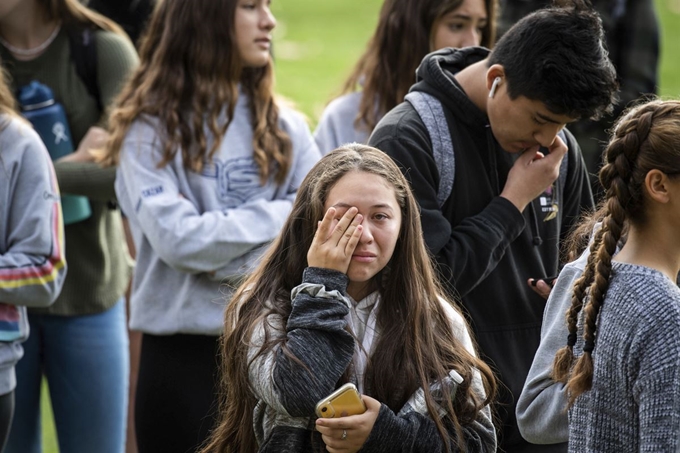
{"points": [[336, 125], [32, 262], [194, 231], [316, 333]]}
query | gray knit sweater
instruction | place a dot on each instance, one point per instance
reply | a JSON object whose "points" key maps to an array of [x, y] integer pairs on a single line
{"points": [[634, 404], [315, 333]]}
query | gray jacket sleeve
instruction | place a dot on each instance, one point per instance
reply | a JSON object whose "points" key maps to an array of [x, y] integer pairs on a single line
{"points": [[413, 430], [32, 261], [417, 433], [184, 238], [542, 406], [316, 336]]}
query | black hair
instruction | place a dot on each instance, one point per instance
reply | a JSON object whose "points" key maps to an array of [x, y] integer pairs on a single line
{"points": [[557, 55]]}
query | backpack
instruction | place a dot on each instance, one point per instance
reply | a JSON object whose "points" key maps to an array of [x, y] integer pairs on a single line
{"points": [[84, 54], [431, 112]]}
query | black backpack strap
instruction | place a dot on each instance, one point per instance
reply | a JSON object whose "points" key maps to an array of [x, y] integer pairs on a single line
{"points": [[84, 55], [431, 113]]}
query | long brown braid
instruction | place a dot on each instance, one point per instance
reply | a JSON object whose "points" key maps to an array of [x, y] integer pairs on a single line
{"points": [[645, 138], [565, 356]]}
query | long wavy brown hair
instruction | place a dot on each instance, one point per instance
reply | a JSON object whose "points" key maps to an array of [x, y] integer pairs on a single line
{"points": [[72, 12], [189, 73], [8, 104], [646, 138], [387, 69], [416, 344]]}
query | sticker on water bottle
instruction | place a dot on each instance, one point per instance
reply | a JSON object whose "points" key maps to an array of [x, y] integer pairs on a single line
{"points": [[59, 131]]}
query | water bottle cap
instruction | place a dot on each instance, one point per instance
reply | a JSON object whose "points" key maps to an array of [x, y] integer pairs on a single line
{"points": [[35, 95]]}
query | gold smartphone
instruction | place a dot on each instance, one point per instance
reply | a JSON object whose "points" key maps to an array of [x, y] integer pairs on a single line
{"points": [[342, 402]]}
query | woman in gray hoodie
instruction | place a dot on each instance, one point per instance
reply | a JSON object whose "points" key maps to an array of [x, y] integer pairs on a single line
{"points": [[620, 365], [208, 167]]}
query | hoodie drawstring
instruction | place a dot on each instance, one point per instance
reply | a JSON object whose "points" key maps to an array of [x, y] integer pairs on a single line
{"points": [[536, 239]]}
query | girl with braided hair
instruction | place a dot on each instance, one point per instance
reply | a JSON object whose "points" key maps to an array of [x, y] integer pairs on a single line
{"points": [[621, 365]]}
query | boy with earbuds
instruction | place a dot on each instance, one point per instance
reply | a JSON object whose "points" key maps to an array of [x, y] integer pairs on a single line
{"points": [[518, 186]]}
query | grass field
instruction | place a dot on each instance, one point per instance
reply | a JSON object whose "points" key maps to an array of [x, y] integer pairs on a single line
{"points": [[317, 41], [669, 13]]}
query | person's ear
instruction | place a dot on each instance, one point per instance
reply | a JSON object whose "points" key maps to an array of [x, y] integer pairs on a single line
{"points": [[657, 186], [494, 77]]}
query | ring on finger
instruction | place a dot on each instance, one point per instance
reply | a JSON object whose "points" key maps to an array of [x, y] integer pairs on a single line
{"points": [[344, 434]]}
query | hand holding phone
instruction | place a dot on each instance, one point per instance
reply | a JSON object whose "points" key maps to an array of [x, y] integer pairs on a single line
{"points": [[341, 403], [543, 289], [550, 281], [348, 434]]}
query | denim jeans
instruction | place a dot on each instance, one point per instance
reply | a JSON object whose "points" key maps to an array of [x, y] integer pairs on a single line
{"points": [[86, 361]]}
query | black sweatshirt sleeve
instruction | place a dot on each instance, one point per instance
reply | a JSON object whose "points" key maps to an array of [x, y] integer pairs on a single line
{"points": [[469, 252], [417, 433]]}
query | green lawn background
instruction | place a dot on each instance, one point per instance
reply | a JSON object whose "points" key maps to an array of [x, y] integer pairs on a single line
{"points": [[316, 42]]}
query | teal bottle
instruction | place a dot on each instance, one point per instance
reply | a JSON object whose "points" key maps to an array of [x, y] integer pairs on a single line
{"points": [[49, 120]]}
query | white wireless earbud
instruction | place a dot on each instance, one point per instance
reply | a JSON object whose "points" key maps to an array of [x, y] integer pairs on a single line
{"points": [[495, 84]]}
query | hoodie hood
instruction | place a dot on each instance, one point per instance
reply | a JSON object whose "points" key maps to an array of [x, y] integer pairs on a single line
{"points": [[435, 76]]}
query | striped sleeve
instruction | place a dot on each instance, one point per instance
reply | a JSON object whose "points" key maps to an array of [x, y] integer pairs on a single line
{"points": [[32, 262]]}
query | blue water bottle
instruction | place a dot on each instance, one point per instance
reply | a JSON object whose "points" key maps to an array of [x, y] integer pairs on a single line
{"points": [[49, 120]]}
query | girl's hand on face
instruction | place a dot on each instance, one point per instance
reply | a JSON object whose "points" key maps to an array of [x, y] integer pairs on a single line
{"points": [[335, 241], [356, 427]]}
